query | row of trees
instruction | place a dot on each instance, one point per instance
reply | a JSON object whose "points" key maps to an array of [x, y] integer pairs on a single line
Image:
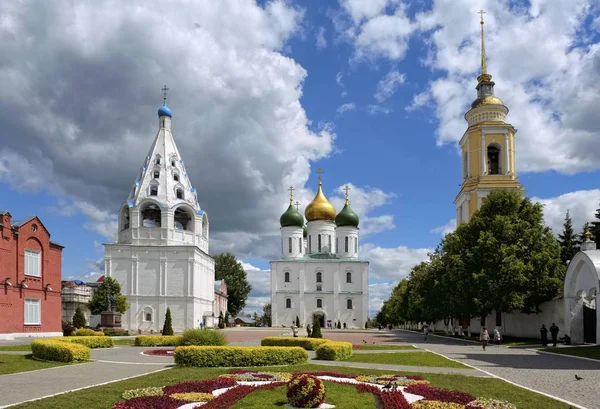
{"points": [[505, 259]]}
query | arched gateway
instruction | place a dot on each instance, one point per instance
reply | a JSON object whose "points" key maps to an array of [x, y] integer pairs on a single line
{"points": [[582, 283]]}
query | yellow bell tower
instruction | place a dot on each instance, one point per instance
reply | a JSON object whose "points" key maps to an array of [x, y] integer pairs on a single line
{"points": [[488, 147]]}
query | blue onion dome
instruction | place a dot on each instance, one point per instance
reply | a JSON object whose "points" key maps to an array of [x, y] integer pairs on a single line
{"points": [[165, 111], [291, 217], [346, 217]]}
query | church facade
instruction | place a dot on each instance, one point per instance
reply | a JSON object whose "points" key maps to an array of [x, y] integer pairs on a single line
{"points": [[319, 274], [160, 255]]}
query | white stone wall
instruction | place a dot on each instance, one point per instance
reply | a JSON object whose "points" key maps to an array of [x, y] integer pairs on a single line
{"points": [[297, 242], [327, 232], [334, 291], [157, 277], [352, 234]]}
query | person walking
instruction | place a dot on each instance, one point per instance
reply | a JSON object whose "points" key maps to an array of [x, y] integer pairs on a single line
{"points": [[497, 337], [554, 333], [484, 337], [425, 331], [544, 335]]}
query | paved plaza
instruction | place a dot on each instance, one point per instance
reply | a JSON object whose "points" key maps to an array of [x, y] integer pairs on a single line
{"points": [[547, 373]]}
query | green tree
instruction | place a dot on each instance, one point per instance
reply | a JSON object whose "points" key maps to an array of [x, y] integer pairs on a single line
{"points": [[339, 325], [99, 302], [79, 320], [267, 314], [297, 321], [595, 228], [316, 329], [567, 240], [168, 325], [229, 269], [511, 260]]}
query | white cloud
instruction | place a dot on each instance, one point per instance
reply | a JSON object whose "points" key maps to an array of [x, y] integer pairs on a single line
{"points": [[378, 293], [321, 41], [419, 100], [377, 109], [391, 264], [338, 79], [388, 85], [446, 228], [360, 9], [581, 204], [346, 107]]}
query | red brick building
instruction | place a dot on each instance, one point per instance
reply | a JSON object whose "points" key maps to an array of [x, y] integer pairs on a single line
{"points": [[30, 279]]}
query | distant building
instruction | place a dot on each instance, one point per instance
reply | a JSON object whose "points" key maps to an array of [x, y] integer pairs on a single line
{"points": [[220, 302], [30, 278], [239, 320], [75, 294]]}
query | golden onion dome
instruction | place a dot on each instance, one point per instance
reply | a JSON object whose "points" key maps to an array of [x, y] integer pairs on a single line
{"points": [[487, 99], [320, 208]]}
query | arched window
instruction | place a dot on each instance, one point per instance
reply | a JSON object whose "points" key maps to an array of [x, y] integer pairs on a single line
{"points": [[348, 277], [319, 243], [300, 245], [310, 244], [465, 165], [179, 193], [288, 303], [346, 244], [148, 314], [173, 162], [349, 304], [156, 174], [289, 245], [319, 303], [125, 218], [151, 216], [356, 245], [176, 177], [154, 190], [183, 220], [493, 152], [286, 277], [319, 277], [157, 160], [337, 244], [329, 244]]}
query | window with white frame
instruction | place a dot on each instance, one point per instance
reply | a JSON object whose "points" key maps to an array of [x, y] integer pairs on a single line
{"points": [[300, 246], [288, 303], [319, 303], [33, 311], [289, 245], [147, 314], [286, 277], [348, 277], [349, 304], [356, 245], [346, 244], [319, 277], [319, 243], [309, 244], [33, 263]]}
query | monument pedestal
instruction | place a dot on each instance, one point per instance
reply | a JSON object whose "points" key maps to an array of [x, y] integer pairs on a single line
{"points": [[109, 319]]}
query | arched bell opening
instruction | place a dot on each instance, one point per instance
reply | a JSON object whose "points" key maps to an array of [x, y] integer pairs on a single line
{"points": [[493, 154], [151, 215], [124, 218], [183, 219]]}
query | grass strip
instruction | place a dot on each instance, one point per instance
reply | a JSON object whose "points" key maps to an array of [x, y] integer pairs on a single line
{"points": [[407, 358], [367, 347], [15, 347], [585, 352], [10, 363]]}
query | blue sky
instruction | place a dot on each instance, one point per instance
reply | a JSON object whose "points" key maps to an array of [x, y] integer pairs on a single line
{"points": [[264, 94]]}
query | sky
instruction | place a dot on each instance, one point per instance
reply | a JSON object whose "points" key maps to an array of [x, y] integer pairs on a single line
{"points": [[265, 92]]}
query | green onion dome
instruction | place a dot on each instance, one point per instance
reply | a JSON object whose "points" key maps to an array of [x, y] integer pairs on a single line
{"points": [[291, 217], [346, 217]]}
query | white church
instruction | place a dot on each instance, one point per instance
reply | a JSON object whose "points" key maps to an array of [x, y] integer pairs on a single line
{"points": [[319, 273], [160, 255]]}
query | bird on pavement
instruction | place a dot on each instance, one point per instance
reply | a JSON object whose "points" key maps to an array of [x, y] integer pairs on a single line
{"points": [[578, 377], [395, 386], [387, 386], [364, 342]]}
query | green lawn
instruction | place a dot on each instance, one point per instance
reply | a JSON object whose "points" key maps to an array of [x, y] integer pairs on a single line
{"points": [[124, 342], [103, 397], [367, 347], [342, 396], [15, 348], [23, 363], [586, 352], [407, 358]]}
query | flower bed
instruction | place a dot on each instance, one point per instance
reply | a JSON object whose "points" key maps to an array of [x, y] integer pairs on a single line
{"points": [[226, 390], [160, 352]]}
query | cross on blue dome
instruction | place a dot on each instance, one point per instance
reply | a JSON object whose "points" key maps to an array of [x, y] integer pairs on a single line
{"points": [[164, 110]]}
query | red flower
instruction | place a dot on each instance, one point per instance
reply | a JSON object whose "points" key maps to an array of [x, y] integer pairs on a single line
{"points": [[160, 352], [205, 386], [443, 395], [149, 402]]}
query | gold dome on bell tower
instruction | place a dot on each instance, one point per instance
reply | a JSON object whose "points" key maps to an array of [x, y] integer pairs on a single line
{"points": [[320, 208]]}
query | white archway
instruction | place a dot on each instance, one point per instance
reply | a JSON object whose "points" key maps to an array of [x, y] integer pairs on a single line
{"points": [[581, 285]]}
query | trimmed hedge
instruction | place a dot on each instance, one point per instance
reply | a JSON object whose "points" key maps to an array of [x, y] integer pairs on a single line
{"points": [[157, 340], [334, 351], [90, 342], [86, 332], [239, 356], [310, 344], [53, 350]]}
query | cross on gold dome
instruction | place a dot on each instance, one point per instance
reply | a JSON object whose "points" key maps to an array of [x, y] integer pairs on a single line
{"points": [[320, 172], [297, 204], [164, 90], [291, 190], [484, 75], [588, 235], [347, 189]]}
